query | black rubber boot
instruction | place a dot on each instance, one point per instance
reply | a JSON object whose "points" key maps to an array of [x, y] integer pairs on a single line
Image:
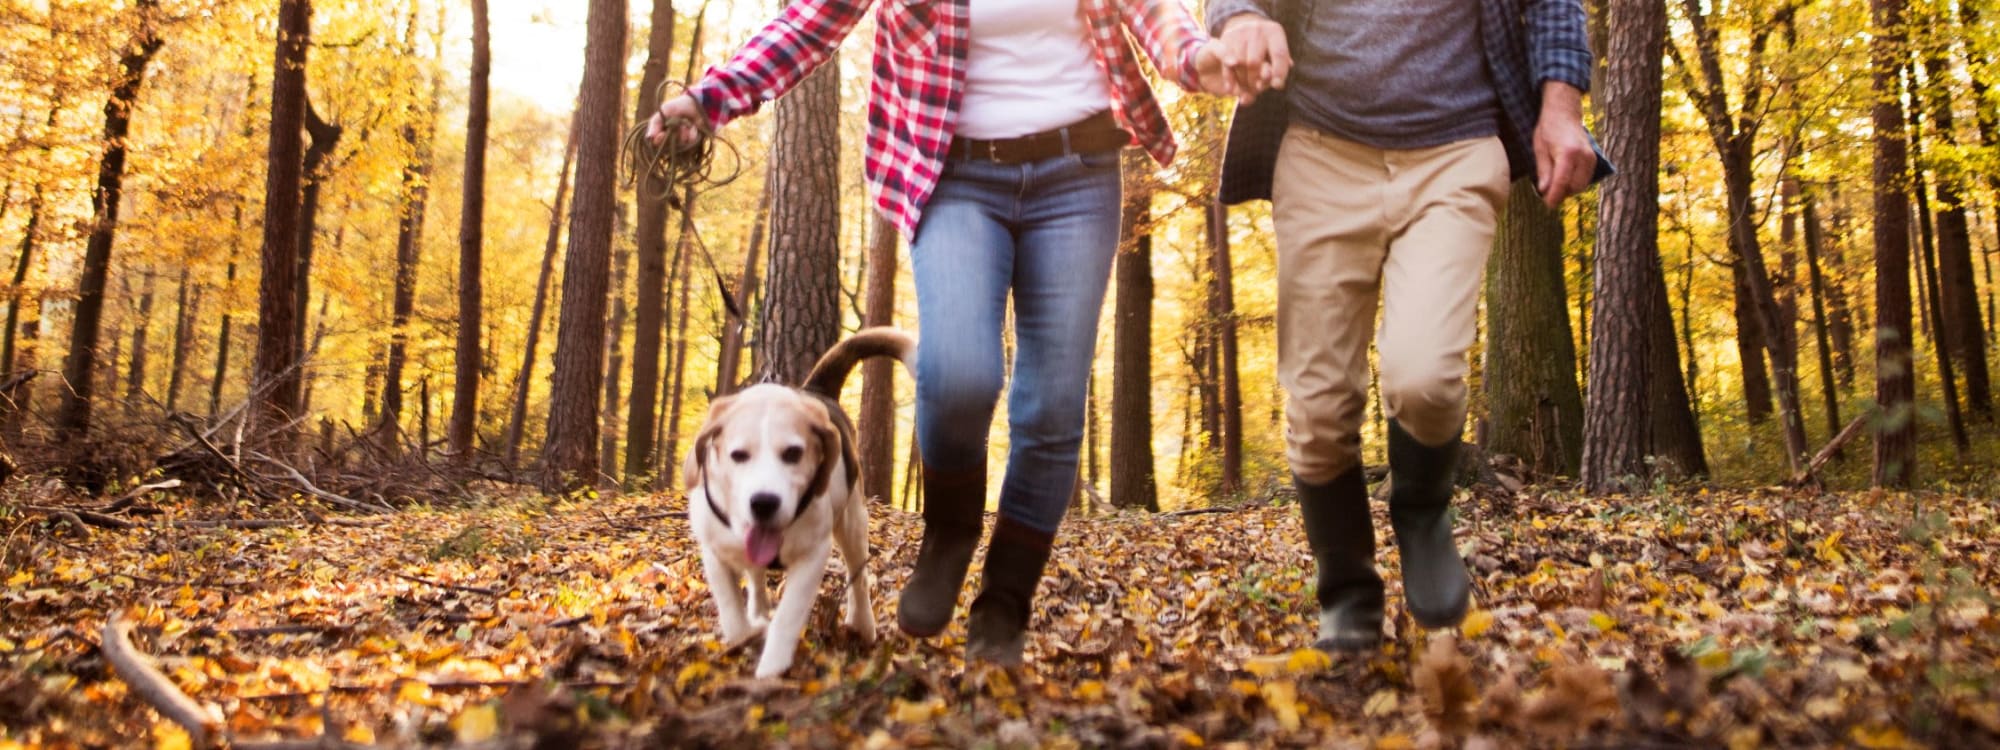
{"points": [[1435, 585], [953, 504], [1342, 536], [998, 623]]}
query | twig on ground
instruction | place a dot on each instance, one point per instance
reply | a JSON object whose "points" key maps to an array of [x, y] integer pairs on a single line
{"points": [[80, 518], [151, 685], [453, 586]]}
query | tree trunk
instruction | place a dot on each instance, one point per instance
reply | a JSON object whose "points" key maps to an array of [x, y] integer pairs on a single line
{"points": [[135, 378], [1841, 328], [1616, 426], [277, 386], [729, 358], [1677, 451], [73, 417], [1223, 273], [471, 242], [1895, 384], [1815, 243], [614, 340], [568, 455], [650, 314], [1132, 481], [878, 392], [516, 422], [1778, 341], [325, 137], [187, 304], [222, 336], [1535, 410], [30, 233], [1750, 349], [1964, 331], [801, 314], [1927, 275], [409, 254], [681, 343]]}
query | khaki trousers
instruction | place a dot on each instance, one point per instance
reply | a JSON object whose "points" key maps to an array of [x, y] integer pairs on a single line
{"points": [[1356, 223]]}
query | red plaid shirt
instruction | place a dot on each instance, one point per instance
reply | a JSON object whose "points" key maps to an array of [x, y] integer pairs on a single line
{"points": [[920, 60]]}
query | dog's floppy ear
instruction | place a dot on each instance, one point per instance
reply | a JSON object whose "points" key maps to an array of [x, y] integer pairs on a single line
{"points": [[831, 448], [697, 457]]}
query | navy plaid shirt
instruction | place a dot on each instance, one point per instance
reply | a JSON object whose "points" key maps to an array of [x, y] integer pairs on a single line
{"points": [[1528, 42]]}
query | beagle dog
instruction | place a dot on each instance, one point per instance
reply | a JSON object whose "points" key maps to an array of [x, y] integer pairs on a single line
{"points": [[770, 484]]}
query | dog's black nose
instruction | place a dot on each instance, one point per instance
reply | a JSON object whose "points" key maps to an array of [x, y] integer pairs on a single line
{"points": [[763, 506]]}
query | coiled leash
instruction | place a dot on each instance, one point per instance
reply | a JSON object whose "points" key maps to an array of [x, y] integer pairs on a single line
{"points": [[679, 168], [675, 166]]}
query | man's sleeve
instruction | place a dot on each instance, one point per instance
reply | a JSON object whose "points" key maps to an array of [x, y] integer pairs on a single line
{"points": [[1558, 42], [1220, 11]]}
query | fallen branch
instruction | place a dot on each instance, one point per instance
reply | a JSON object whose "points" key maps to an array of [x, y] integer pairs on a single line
{"points": [[311, 489], [1826, 454], [276, 523], [453, 586], [78, 517], [444, 685], [150, 685]]}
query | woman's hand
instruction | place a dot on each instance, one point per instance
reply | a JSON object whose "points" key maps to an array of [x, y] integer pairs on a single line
{"points": [[682, 108], [1214, 75]]}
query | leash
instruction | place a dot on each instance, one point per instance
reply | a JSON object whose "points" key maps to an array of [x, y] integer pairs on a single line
{"points": [[680, 170]]}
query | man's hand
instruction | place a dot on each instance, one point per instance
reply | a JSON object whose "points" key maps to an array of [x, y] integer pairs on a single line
{"points": [[1564, 160], [1254, 51], [1208, 67], [682, 108]]}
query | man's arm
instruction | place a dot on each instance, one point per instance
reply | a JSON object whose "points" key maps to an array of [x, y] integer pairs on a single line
{"points": [[1560, 60], [1558, 43]]}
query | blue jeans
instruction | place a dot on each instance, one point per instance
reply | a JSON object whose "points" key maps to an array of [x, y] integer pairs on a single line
{"points": [[1045, 231]]}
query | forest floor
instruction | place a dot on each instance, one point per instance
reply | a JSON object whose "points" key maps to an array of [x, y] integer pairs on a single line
{"points": [[1684, 618]]}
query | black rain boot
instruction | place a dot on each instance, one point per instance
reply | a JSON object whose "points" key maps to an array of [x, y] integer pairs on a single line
{"points": [[953, 504], [998, 623], [1342, 537], [1435, 585]]}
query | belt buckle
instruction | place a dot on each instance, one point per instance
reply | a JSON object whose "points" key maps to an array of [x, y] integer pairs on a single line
{"points": [[993, 152]]}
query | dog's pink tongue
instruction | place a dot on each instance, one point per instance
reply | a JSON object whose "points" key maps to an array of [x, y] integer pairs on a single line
{"points": [[763, 545]]}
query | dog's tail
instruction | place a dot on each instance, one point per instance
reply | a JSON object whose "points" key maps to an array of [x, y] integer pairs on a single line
{"points": [[831, 372]]}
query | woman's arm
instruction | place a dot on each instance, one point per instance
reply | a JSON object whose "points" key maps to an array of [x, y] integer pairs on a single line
{"points": [[780, 55], [1170, 37]]}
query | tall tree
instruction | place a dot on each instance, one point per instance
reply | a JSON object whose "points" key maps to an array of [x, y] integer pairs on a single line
{"points": [[1735, 136], [73, 418], [1958, 293], [187, 304], [519, 416], [651, 240], [729, 359], [878, 404], [418, 134], [569, 453], [1816, 278], [801, 314], [323, 139], [1132, 478], [1616, 423], [684, 261], [614, 341], [135, 377], [1535, 409], [1895, 379], [1222, 294], [471, 241], [277, 387]]}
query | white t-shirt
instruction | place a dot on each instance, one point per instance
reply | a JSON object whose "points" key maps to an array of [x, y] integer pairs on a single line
{"points": [[1029, 69]]}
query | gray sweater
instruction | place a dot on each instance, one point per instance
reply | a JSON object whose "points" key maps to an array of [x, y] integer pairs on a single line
{"points": [[1393, 74]]}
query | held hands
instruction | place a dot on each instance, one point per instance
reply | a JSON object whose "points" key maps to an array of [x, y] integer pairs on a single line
{"points": [[1249, 58], [685, 112], [1564, 159]]}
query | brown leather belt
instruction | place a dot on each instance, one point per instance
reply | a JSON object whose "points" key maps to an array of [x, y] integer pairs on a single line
{"points": [[1095, 134]]}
